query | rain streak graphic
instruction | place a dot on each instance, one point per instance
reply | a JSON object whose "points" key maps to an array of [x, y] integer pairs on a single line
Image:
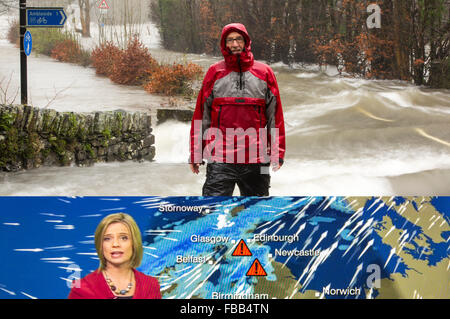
{"points": [[338, 247]]}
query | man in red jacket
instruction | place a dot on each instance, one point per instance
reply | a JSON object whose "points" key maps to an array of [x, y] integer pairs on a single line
{"points": [[238, 124]]}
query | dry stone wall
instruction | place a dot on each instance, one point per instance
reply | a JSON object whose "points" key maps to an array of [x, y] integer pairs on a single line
{"points": [[31, 137]]}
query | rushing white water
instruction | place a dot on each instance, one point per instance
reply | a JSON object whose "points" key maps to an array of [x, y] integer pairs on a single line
{"points": [[344, 136]]}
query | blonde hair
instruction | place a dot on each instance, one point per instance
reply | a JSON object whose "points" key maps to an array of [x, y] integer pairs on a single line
{"points": [[135, 234]]}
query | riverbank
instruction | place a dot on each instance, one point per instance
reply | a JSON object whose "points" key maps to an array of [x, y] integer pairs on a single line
{"points": [[185, 85]]}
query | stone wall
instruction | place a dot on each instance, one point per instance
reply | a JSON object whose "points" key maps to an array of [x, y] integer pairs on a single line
{"points": [[163, 115], [32, 137]]}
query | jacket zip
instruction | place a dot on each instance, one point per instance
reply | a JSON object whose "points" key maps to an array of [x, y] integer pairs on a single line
{"points": [[258, 109], [218, 117], [259, 113], [240, 72]]}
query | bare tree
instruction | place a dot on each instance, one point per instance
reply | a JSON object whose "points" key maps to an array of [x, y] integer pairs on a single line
{"points": [[57, 93], [6, 5], [121, 22], [5, 97], [85, 17]]}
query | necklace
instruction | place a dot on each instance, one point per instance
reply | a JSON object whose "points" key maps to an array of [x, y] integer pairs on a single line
{"points": [[113, 287]]}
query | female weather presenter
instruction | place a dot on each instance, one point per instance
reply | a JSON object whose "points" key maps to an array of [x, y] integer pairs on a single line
{"points": [[119, 248]]}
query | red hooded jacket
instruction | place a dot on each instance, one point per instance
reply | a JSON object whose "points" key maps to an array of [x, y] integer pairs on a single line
{"points": [[238, 117], [94, 286]]}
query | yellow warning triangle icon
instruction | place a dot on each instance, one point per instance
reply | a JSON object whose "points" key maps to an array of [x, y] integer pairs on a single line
{"points": [[256, 269], [241, 249]]}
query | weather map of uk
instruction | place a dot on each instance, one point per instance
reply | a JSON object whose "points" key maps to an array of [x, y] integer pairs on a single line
{"points": [[237, 247]]}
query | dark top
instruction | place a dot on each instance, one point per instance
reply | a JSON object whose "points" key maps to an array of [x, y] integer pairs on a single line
{"points": [[126, 297], [94, 286]]}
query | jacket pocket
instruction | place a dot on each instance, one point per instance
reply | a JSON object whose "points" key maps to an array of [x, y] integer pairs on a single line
{"points": [[238, 113]]}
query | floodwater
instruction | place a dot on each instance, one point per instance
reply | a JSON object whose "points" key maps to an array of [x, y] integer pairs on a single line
{"points": [[344, 136]]}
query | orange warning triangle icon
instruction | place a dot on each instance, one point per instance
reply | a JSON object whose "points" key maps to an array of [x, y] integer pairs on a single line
{"points": [[241, 249], [256, 269]]}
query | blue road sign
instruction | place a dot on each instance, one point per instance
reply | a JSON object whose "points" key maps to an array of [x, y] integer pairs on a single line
{"points": [[46, 17], [27, 43]]}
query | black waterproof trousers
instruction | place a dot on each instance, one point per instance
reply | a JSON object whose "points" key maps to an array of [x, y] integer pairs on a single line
{"points": [[221, 178]]}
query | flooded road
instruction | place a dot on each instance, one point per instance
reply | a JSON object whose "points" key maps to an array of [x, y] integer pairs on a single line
{"points": [[344, 136]]}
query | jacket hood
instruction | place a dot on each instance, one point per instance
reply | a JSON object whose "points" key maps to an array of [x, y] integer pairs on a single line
{"points": [[245, 58]]}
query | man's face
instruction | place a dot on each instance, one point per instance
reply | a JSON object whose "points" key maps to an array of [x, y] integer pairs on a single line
{"points": [[235, 42]]}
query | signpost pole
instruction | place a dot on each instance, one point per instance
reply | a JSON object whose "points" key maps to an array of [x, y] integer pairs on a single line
{"points": [[34, 17], [23, 56]]}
